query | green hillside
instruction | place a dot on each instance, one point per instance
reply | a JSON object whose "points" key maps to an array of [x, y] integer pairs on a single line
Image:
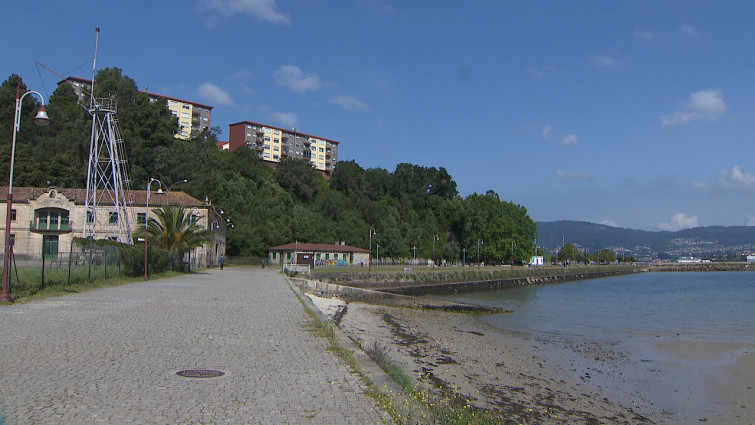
{"points": [[715, 242]]}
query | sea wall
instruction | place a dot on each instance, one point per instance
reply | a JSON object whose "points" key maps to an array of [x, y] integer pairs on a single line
{"points": [[383, 298], [461, 287], [702, 267]]}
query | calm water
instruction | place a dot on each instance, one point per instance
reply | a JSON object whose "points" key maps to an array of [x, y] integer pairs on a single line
{"points": [[613, 326]]}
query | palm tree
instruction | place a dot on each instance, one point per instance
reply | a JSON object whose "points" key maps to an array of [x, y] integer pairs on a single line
{"points": [[175, 230]]}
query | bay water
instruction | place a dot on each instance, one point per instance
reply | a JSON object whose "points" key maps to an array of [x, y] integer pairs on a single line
{"points": [[660, 342]]}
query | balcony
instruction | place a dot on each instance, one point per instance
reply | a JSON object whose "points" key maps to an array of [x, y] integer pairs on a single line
{"points": [[42, 226]]}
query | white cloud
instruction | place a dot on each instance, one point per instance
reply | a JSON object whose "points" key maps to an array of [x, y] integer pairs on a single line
{"points": [[570, 140], [547, 132], [679, 221], [538, 72], [570, 175], [610, 223], [264, 10], [738, 179], [293, 77], [644, 35], [242, 74], [214, 94], [605, 61], [284, 119], [688, 31], [350, 102], [704, 104]]}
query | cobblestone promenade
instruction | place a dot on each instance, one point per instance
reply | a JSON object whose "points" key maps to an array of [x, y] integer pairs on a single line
{"points": [[110, 356]]}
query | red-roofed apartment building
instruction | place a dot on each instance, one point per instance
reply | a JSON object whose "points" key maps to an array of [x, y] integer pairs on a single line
{"points": [[275, 143], [192, 117]]}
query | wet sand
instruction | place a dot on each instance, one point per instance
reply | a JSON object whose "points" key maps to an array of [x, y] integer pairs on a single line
{"points": [[552, 381], [505, 373]]}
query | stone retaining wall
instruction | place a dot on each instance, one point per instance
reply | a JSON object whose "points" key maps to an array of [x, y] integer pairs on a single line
{"points": [[384, 298], [461, 287]]}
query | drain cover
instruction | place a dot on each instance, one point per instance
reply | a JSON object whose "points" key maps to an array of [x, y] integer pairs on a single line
{"points": [[200, 373]]}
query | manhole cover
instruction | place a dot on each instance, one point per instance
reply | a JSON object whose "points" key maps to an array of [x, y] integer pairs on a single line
{"points": [[200, 373]]}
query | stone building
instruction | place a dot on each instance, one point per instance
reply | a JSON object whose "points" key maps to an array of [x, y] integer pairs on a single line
{"points": [[45, 220]]}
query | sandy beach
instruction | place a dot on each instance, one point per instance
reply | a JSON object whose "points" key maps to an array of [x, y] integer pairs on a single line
{"points": [[497, 371]]}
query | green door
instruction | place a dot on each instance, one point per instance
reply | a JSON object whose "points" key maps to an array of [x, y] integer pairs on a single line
{"points": [[50, 247]]}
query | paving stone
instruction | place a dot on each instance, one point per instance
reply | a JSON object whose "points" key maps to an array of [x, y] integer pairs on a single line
{"points": [[111, 356]]}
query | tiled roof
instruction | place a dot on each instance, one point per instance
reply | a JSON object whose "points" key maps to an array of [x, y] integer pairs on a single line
{"points": [[133, 197], [318, 247]]}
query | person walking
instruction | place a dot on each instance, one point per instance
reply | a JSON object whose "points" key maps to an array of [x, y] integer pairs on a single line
{"points": [[222, 262]]}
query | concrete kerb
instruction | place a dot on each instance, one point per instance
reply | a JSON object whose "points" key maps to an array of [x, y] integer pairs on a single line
{"points": [[373, 373]]}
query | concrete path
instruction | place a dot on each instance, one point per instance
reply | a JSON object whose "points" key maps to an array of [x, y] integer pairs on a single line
{"points": [[110, 356]]}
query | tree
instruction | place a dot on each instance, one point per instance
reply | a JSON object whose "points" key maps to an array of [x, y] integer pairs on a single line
{"points": [[569, 252], [174, 230], [297, 176]]}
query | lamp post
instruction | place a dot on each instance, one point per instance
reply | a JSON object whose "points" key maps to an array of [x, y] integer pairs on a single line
{"points": [[372, 232], [41, 120], [377, 254], [146, 224], [167, 196], [435, 238], [479, 242], [464, 258], [414, 248], [512, 253]]}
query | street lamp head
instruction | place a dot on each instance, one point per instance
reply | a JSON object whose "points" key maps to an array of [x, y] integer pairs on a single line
{"points": [[42, 119]]}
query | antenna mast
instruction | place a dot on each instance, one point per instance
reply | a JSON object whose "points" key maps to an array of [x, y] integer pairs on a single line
{"points": [[107, 176]]}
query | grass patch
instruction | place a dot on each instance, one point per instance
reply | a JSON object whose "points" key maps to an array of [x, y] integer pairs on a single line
{"points": [[57, 288]]}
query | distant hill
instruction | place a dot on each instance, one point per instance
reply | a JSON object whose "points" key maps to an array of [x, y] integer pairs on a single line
{"points": [[700, 242]]}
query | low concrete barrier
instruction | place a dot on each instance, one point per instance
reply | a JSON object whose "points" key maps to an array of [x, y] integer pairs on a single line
{"points": [[384, 298]]}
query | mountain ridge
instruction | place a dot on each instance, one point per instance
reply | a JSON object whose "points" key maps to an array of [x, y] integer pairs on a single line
{"points": [[713, 242]]}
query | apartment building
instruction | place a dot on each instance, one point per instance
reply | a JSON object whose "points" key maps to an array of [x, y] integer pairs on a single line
{"points": [[275, 143], [192, 116]]}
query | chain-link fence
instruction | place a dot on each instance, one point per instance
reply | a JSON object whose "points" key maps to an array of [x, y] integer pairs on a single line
{"points": [[83, 263]]}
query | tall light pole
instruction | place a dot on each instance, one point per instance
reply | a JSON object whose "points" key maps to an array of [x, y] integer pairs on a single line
{"points": [[479, 242], [464, 258], [41, 119], [512, 253], [377, 254], [146, 224], [414, 248], [167, 196], [372, 232], [435, 238]]}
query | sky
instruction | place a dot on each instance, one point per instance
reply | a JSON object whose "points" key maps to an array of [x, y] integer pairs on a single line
{"points": [[635, 114]]}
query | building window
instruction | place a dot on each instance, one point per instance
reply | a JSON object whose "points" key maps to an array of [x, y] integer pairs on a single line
{"points": [[141, 218], [12, 240], [187, 107], [288, 256], [173, 103], [90, 217], [274, 255], [184, 115], [13, 214], [113, 219], [276, 148], [276, 157]]}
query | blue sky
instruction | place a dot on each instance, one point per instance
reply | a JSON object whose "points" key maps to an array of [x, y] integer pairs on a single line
{"points": [[636, 114]]}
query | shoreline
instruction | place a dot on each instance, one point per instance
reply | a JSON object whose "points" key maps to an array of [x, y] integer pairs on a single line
{"points": [[547, 381], [504, 373]]}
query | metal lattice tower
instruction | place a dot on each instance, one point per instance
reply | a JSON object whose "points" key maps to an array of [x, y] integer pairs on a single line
{"points": [[107, 177], [107, 174]]}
